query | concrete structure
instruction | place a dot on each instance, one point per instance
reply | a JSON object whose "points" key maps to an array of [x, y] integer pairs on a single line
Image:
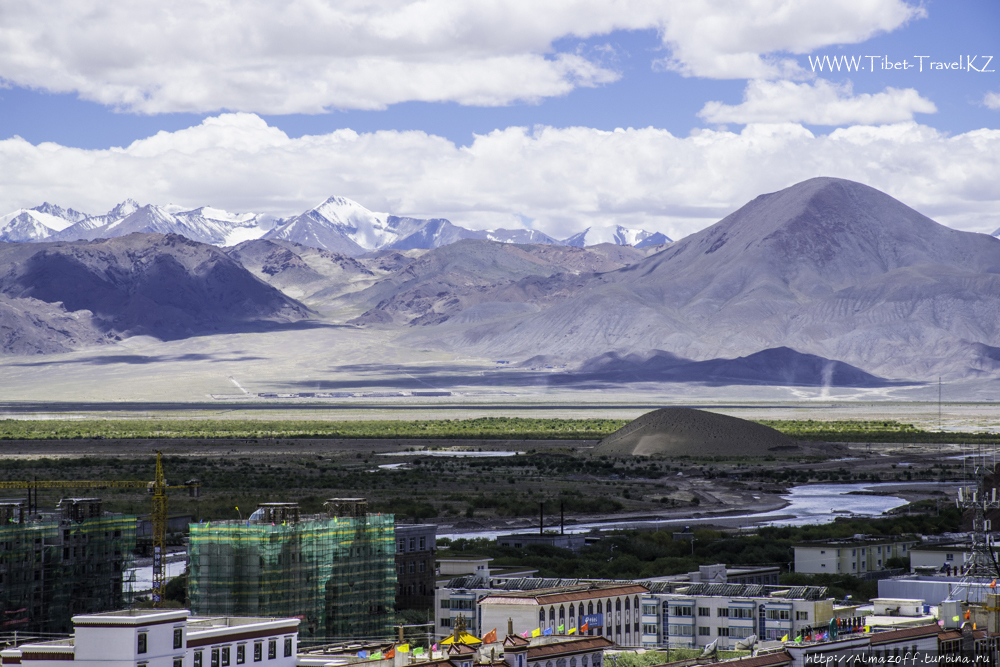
{"points": [[416, 547], [721, 574], [856, 556], [57, 564], [609, 609], [573, 541], [158, 638], [337, 571], [701, 613], [942, 557]]}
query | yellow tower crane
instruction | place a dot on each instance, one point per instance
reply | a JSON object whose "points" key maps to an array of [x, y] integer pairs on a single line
{"points": [[157, 488]]}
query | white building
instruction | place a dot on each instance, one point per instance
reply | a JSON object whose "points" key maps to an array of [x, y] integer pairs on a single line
{"points": [[162, 638], [856, 556]]}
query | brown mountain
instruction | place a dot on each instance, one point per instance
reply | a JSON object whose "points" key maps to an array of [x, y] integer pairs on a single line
{"points": [[164, 286]]}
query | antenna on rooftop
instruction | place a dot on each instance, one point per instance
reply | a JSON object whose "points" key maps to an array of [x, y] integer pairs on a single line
{"points": [[981, 566]]}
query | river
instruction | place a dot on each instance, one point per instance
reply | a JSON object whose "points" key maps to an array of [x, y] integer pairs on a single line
{"points": [[807, 504]]}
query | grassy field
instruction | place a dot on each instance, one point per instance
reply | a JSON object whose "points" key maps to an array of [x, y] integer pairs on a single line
{"points": [[499, 428]]}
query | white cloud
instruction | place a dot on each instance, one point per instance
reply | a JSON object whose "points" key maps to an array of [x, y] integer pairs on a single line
{"points": [[992, 100], [817, 103], [747, 39], [564, 179], [308, 56]]}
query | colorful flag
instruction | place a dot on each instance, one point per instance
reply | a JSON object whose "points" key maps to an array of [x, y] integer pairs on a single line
{"points": [[572, 630], [434, 648], [362, 654], [490, 636], [536, 632], [561, 628], [584, 627], [377, 655], [547, 631], [403, 648], [526, 633], [785, 638], [391, 653], [993, 584]]}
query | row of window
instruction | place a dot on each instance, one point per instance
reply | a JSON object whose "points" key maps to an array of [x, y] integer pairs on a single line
{"points": [[220, 656], [740, 612], [401, 544], [401, 567]]}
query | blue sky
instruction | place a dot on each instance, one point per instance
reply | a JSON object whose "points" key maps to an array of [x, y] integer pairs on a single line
{"points": [[500, 115]]}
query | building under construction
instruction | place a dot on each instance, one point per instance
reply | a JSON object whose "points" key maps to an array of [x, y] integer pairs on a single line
{"points": [[57, 564], [336, 570]]}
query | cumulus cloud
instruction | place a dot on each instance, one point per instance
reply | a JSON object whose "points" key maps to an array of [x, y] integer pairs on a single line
{"points": [[817, 103], [309, 56], [564, 179], [992, 100]]}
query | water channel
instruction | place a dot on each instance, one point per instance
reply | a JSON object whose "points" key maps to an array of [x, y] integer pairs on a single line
{"points": [[807, 504]]}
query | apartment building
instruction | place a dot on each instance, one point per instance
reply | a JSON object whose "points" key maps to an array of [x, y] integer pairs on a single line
{"points": [[856, 556]]}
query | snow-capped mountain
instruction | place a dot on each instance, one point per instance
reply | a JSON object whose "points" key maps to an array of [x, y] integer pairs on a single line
{"points": [[338, 224], [618, 235], [27, 225]]}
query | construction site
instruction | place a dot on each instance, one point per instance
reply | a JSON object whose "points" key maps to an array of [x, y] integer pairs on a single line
{"points": [[336, 570], [56, 564]]}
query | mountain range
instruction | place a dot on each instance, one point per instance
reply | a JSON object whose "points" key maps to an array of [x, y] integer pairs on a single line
{"points": [[827, 282], [338, 225]]}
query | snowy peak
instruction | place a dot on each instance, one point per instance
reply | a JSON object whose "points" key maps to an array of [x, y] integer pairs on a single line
{"points": [[520, 236], [35, 224], [618, 235], [60, 212]]}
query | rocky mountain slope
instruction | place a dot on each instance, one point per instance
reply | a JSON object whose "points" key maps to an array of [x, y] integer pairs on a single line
{"points": [[827, 267], [60, 295]]}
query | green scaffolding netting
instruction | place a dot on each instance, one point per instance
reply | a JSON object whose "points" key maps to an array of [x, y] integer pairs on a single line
{"points": [[52, 570], [338, 574]]}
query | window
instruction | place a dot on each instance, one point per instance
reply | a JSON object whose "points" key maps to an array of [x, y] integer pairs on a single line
{"points": [[445, 622], [704, 632], [400, 568], [702, 611], [423, 543], [401, 547], [197, 659], [141, 648], [723, 632], [778, 614], [272, 649], [241, 654], [215, 657], [446, 604], [723, 612], [423, 565], [949, 557], [178, 637], [741, 612], [680, 611], [802, 616], [648, 629], [413, 567], [178, 662], [413, 544], [650, 609], [258, 651], [225, 656], [288, 640]]}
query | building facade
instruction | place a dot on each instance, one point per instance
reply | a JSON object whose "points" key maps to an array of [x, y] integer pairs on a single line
{"points": [[336, 571], [416, 548], [57, 564], [158, 638], [855, 557]]}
